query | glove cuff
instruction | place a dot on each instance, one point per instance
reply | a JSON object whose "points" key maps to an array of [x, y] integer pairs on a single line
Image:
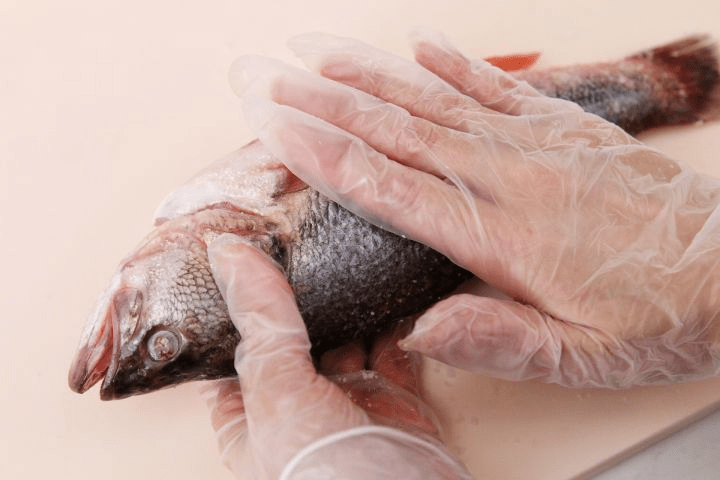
{"points": [[374, 452]]}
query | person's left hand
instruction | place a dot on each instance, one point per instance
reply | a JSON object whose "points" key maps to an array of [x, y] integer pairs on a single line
{"points": [[285, 405], [606, 248]]}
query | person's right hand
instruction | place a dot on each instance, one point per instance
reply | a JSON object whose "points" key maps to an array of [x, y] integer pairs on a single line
{"points": [[362, 418], [609, 249]]}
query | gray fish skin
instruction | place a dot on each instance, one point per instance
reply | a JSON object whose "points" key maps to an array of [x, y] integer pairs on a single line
{"points": [[350, 277], [671, 84], [162, 321]]}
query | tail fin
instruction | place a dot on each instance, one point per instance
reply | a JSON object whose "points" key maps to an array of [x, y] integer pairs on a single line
{"points": [[694, 63], [517, 61]]}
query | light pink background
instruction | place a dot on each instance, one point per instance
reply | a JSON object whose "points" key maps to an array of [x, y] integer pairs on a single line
{"points": [[105, 107]]}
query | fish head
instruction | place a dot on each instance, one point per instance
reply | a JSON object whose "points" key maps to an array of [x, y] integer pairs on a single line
{"points": [[161, 322]]}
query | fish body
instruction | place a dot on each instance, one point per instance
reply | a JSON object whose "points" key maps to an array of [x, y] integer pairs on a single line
{"points": [[162, 320]]}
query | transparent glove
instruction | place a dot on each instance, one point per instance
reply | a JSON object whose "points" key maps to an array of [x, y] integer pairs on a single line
{"points": [[607, 248], [291, 422]]}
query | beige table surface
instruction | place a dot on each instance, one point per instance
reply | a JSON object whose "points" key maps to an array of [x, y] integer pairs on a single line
{"points": [[105, 107]]}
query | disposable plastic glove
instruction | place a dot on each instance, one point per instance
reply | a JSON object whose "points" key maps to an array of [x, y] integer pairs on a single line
{"points": [[289, 421], [608, 249]]}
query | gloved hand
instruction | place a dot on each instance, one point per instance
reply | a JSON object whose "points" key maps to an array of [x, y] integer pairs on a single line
{"points": [[608, 249], [291, 422]]}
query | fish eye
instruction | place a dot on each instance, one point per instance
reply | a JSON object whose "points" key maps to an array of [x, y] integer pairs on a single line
{"points": [[163, 345]]}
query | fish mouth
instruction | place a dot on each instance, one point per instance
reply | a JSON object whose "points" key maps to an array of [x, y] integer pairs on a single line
{"points": [[92, 360], [97, 355]]}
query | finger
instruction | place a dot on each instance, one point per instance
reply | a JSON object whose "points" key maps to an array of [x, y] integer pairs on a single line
{"points": [[226, 403], [478, 79], [227, 413], [260, 300], [479, 334], [394, 79], [395, 364], [275, 344], [345, 359], [393, 196], [384, 126], [388, 404], [513, 341]]}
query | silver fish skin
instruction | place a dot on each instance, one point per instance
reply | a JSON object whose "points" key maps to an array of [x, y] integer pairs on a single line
{"points": [[162, 321]]}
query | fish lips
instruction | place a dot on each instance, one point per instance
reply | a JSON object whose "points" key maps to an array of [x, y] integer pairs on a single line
{"points": [[97, 355]]}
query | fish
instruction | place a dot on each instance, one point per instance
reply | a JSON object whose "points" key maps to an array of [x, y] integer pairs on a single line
{"points": [[162, 320]]}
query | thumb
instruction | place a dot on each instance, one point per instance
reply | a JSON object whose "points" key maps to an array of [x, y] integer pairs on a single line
{"points": [[287, 404], [503, 339], [261, 303]]}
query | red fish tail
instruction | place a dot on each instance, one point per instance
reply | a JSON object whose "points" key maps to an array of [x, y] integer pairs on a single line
{"points": [[692, 67]]}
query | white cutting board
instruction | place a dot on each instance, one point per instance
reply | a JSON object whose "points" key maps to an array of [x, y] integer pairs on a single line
{"points": [[529, 430], [106, 106]]}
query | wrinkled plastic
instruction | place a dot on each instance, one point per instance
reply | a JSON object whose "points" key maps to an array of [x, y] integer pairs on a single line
{"points": [[394, 454], [282, 416], [608, 248]]}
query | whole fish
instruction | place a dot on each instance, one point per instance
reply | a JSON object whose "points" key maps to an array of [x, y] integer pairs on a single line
{"points": [[162, 320]]}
